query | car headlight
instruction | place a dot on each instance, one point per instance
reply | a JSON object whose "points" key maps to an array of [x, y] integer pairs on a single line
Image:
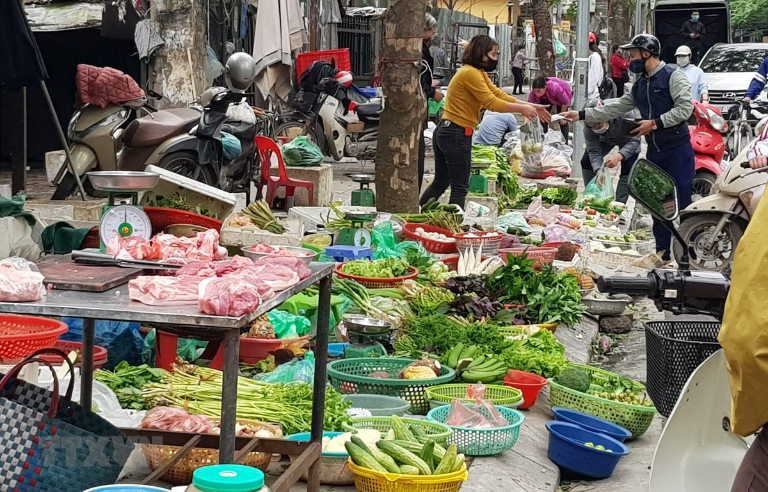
{"points": [[717, 121]]}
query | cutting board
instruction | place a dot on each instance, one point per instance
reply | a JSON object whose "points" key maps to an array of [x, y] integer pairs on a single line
{"points": [[65, 274]]}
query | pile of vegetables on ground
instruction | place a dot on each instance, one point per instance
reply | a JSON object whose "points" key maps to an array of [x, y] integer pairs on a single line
{"points": [[615, 388]]}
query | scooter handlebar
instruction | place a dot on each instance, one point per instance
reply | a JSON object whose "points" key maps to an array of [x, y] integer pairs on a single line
{"points": [[634, 286]]}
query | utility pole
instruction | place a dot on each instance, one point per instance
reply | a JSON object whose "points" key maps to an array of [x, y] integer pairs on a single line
{"points": [[580, 80]]}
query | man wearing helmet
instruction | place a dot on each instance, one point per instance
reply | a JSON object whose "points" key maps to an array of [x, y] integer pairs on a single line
{"points": [[699, 87], [601, 138], [662, 95]]}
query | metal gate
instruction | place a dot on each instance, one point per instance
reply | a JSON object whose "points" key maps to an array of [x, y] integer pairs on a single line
{"points": [[355, 33]]}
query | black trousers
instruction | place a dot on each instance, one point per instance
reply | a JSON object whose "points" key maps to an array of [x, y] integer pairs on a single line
{"points": [[422, 156], [619, 82], [517, 73], [453, 163]]}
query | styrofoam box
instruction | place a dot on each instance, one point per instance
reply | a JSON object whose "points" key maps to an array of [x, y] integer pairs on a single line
{"points": [[237, 236], [12, 230], [219, 202], [310, 217]]}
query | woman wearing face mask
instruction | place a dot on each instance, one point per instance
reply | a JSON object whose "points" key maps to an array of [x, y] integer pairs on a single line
{"points": [[470, 90], [601, 138], [662, 95], [596, 68], [693, 32], [699, 87]]}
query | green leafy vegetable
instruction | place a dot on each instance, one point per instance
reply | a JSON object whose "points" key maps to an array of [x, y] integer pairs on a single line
{"points": [[127, 382], [560, 196], [382, 268], [179, 203], [436, 332], [540, 353]]}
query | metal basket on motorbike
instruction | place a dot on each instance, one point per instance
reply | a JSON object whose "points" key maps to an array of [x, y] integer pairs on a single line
{"points": [[302, 101], [674, 350], [635, 418]]}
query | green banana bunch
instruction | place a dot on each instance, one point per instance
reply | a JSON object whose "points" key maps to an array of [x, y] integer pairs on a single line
{"points": [[459, 353], [484, 369], [433, 205]]}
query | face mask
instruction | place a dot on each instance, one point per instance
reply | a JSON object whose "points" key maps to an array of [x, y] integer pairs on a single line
{"points": [[491, 65], [600, 131], [694, 18], [683, 61], [637, 66]]}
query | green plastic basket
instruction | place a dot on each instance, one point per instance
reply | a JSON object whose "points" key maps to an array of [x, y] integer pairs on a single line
{"points": [[380, 405], [502, 396], [435, 430], [482, 442], [351, 376], [636, 419]]}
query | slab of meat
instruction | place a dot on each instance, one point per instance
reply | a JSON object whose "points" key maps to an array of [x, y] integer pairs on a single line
{"points": [[196, 269], [228, 296], [296, 264], [18, 283], [276, 276], [167, 247], [234, 265], [164, 291]]}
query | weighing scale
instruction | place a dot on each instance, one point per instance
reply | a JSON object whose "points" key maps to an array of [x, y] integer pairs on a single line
{"points": [[356, 235], [477, 182], [364, 335], [364, 197], [122, 214]]}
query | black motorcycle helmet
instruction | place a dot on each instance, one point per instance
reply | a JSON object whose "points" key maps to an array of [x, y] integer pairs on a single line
{"points": [[644, 42]]}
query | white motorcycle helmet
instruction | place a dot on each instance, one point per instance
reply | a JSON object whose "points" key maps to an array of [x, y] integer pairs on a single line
{"points": [[239, 72]]}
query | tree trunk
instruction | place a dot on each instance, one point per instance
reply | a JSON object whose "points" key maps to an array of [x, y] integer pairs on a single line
{"points": [[545, 51], [617, 24], [405, 109]]}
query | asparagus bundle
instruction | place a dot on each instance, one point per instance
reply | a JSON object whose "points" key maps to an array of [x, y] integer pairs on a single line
{"points": [[261, 215]]}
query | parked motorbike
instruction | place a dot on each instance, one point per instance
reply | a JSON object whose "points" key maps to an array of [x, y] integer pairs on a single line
{"points": [[188, 141], [95, 136], [696, 451], [712, 227], [708, 147]]}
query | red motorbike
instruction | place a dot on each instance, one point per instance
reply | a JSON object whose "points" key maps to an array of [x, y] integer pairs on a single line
{"points": [[708, 147]]}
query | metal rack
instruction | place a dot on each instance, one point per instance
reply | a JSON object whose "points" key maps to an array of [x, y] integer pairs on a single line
{"points": [[115, 305]]}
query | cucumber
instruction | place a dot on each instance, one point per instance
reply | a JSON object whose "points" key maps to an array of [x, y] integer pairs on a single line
{"points": [[409, 470], [390, 435], [459, 464], [416, 448], [405, 457], [448, 462], [362, 458], [428, 454], [418, 433], [401, 430], [384, 459]]}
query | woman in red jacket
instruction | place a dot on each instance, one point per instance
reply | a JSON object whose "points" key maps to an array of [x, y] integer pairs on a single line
{"points": [[619, 67]]}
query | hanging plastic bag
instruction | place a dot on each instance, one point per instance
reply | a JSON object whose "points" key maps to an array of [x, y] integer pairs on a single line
{"points": [[301, 152], [241, 111], [213, 67], [560, 48], [532, 145], [302, 371], [599, 191], [288, 325], [231, 145]]}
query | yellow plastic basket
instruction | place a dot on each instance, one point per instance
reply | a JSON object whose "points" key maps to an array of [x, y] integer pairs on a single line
{"points": [[367, 480]]}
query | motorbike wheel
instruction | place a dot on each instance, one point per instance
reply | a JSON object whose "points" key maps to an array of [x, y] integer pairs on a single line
{"points": [[185, 164], [702, 184], [293, 129], [696, 230], [68, 186]]}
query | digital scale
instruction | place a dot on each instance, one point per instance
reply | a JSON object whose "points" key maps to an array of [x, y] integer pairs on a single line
{"points": [[357, 234], [364, 197], [122, 214], [364, 335]]}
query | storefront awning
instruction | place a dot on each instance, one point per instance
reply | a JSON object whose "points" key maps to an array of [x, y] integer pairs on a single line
{"points": [[63, 16]]}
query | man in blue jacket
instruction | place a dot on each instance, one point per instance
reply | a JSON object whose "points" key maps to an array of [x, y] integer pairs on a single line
{"points": [[758, 82], [662, 95]]}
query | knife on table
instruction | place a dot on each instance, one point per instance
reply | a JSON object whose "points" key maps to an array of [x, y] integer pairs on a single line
{"points": [[103, 259]]}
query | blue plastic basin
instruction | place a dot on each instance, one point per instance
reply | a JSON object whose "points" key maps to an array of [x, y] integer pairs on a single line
{"points": [[591, 423], [567, 450], [337, 349]]}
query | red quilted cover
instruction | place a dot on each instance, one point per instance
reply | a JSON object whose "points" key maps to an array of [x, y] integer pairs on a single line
{"points": [[102, 86]]}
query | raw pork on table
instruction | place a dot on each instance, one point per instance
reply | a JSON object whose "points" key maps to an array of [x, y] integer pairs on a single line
{"points": [[164, 291], [295, 264], [167, 247], [19, 282], [231, 296]]}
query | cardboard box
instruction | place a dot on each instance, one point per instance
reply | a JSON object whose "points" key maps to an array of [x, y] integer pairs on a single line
{"points": [[238, 237]]}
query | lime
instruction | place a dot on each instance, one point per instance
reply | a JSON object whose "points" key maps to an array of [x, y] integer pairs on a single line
{"points": [[609, 450], [600, 447], [589, 444]]}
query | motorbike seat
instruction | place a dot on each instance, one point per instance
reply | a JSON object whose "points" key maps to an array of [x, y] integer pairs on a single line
{"points": [[369, 111], [154, 129], [239, 129]]}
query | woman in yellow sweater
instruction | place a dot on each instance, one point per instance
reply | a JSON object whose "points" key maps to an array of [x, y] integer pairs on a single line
{"points": [[470, 91]]}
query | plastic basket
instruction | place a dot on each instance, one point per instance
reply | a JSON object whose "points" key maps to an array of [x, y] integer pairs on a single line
{"points": [[490, 245], [435, 430], [100, 354], [333, 466], [674, 350], [431, 245], [540, 256], [378, 283], [367, 480], [254, 350], [528, 383], [22, 335], [502, 396], [482, 442], [567, 449], [351, 376], [380, 405], [341, 57], [636, 419], [163, 217]]}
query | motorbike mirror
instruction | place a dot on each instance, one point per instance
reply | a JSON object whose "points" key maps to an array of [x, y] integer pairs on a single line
{"points": [[154, 94], [654, 189]]}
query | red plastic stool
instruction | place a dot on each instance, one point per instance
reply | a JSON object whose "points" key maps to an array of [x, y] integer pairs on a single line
{"points": [[166, 346], [267, 147]]}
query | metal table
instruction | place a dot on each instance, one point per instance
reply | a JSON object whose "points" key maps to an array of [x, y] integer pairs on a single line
{"points": [[115, 305]]}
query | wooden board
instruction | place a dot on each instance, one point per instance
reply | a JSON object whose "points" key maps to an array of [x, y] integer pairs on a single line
{"points": [[65, 274]]}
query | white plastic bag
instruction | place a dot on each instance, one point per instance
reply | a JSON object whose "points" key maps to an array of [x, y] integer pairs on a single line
{"points": [[20, 281], [241, 112]]}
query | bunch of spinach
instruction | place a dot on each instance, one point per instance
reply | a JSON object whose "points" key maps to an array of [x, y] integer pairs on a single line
{"points": [[436, 332], [540, 353], [548, 297], [127, 382]]}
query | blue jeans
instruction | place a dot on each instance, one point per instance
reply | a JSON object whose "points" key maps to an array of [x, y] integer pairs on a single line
{"points": [[678, 163], [453, 163]]}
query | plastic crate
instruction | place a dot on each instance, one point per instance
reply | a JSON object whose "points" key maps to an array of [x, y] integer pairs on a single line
{"points": [[342, 58], [674, 350]]}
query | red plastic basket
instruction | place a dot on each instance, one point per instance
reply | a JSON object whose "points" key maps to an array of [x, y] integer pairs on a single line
{"points": [[163, 217], [378, 283], [254, 350], [100, 354], [530, 384], [20, 336], [453, 261], [431, 245], [304, 60], [542, 256]]}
